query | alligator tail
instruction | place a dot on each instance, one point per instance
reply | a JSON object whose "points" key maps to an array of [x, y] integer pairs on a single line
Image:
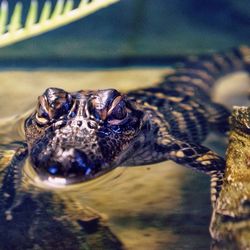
{"points": [[201, 72], [244, 52]]}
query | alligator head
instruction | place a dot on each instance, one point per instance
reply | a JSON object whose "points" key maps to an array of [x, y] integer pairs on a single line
{"points": [[80, 135]]}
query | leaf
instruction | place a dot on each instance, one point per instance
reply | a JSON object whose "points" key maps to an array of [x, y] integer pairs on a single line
{"points": [[58, 9], [49, 19], [45, 12], [32, 15], [3, 16], [15, 21], [68, 7]]}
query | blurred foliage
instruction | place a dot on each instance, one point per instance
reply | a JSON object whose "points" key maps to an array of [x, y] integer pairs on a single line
{"points": [[12, 30], [140, 28]]}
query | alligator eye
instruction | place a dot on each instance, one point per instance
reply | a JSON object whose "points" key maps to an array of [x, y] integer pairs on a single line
{"points": [[42, 115], [114, 109], [53, 104], [94, 110], [118, 110], [61, 106]]}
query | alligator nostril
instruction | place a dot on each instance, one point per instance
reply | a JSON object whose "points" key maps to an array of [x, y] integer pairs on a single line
{"points": [[79, 123]]}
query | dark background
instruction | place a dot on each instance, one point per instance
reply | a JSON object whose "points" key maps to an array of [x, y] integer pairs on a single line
{"points": [[136, 32]]}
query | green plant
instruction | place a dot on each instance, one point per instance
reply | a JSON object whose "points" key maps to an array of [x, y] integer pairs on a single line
{"points": [[63, 13]]}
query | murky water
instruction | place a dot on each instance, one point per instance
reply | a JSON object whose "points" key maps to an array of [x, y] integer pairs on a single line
{"points": [[161, 206]]}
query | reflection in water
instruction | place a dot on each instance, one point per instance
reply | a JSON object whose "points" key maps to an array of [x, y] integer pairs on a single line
{"points": [[163, 206]]}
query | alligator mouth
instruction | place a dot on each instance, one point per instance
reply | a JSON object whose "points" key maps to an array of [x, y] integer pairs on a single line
{"points": [[67, 167], [74, 175]]}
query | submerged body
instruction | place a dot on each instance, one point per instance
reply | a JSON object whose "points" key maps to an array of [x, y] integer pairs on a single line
{"points": [[230, 224]]}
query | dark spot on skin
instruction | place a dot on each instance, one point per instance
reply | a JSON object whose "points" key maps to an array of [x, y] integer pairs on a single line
{"points": [[175, 147], [188, 152], [246, 204], [79, 123]]}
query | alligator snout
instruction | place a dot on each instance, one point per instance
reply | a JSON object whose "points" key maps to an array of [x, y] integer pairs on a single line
{"points": [[71, 164]]}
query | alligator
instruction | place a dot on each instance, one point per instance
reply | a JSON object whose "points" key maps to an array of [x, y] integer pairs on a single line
{"points": [[74, 137]]}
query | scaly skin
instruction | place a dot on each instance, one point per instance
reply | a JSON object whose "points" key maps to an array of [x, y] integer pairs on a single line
{"points": [[230, 224], [74, 137]]}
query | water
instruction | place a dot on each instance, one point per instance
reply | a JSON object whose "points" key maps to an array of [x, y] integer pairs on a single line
{"points": [[163, 206]]}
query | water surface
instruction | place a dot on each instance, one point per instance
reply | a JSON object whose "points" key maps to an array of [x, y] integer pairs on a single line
{"points": [[161, 206]]}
